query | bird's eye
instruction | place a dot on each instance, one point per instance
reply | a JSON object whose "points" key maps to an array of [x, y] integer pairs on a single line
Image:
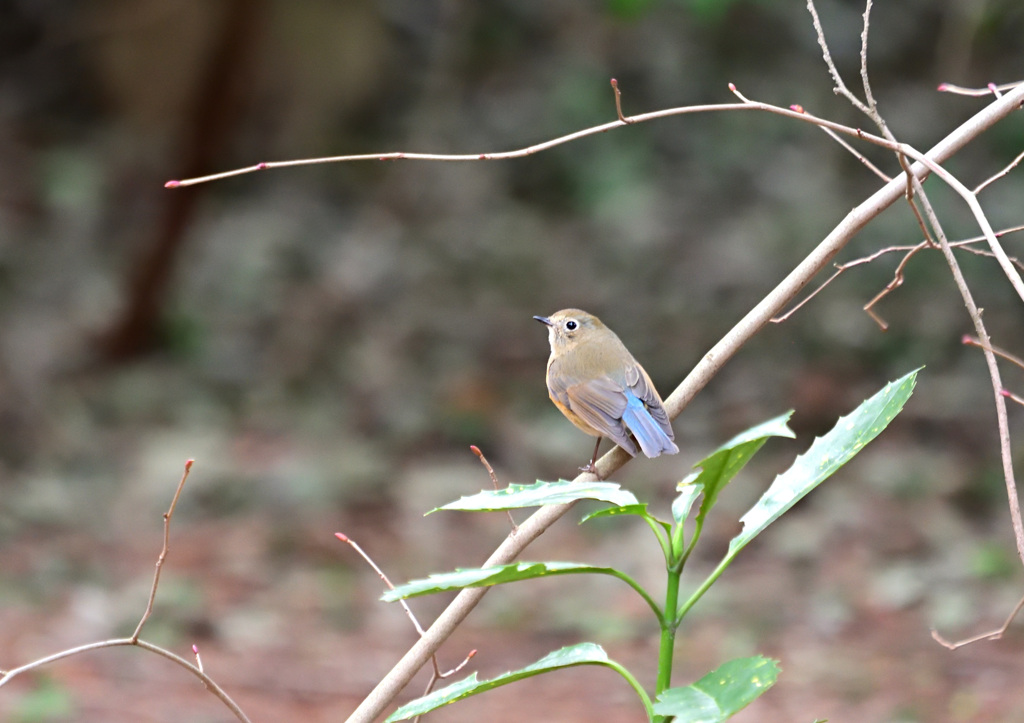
{"points": [[571, 325]]}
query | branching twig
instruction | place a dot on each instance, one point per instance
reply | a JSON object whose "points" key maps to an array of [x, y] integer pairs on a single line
{"points": [[961, 284], [437, 674], [197, 669], [964, 245], [990, 635]]}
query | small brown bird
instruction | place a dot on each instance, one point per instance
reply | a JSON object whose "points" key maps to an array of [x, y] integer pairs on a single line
{"points": [[598, 385]]}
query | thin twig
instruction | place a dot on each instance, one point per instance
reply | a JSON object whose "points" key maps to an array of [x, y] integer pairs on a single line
{"points": [[964, 245], [971, 341], [494, 481], [842, 142], [897, 281], [1013, 164], [989, 89], [618, 102], [436, 674], [1012, 397], [538, 147], [993, 368], [164, 550], [864, 58], [991, 635], [380, 573]]}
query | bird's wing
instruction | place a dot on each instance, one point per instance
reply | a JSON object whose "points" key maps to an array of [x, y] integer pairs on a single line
{"points": [[642, 386], [600, 403], [645, 416]]}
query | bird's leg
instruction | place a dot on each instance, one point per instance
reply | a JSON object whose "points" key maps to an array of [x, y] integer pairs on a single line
{"points": [[591, 465]]}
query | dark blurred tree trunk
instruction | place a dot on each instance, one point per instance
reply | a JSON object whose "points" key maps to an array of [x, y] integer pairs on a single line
{"points": [[213, 112]]}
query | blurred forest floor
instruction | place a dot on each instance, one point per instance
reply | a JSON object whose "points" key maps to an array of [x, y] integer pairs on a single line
{"points": [[327, 342]]}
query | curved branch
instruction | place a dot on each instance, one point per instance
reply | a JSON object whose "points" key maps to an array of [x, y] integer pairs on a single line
{"points": [[209, 682]]}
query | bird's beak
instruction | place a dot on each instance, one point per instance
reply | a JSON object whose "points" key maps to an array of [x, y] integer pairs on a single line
{"points": [[543, 320]]}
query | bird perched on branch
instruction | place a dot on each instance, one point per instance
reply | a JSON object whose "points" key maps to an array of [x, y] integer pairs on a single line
{"points": [[598, 385]]}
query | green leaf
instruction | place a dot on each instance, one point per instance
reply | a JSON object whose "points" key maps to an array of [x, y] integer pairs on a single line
{"points": [[542, 493], [487, 576], [719, 468], [640, 510], [720, 694], [826, 455], [689, 492], [582, 654]]}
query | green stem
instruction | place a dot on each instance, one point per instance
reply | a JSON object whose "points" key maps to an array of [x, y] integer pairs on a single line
{"points": [[699, 592], [697, 529], [669, 624], [635, 684], [666, 544], [662, 615]]}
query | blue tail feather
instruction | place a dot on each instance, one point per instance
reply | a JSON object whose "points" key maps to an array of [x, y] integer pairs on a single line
{"points": [[652, 438]]}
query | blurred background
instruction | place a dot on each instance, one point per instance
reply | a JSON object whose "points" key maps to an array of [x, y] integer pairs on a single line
{"points": [[327, 342]]}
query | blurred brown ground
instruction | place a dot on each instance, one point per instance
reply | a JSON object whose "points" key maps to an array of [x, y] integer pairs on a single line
{"points": [[326, 342]]}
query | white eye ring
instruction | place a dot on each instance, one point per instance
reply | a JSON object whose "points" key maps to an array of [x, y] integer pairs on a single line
{"points": [[571, 325]]}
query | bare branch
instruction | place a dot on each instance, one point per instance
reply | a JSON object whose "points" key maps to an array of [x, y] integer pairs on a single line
{"points": [[990, 635], [197, 669], [990, 89], [864, 58], [164, 550], [494, 480], [1009, 167], [993, 370], [971, 341]]}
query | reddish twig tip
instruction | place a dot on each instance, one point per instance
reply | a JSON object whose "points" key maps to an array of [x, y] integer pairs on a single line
{"points": [[943, 87], [1005, 393], [189, 463], [261, 166], [965, 339], [172, 184], [341, 536], [732, 87], [796, 108], [475, 450]]}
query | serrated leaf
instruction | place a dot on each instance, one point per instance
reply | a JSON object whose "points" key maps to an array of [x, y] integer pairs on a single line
{"points": [[825, 455], [487, 576], [720, 694], [542, 493], [722, 465], [581, 654], [640, 510]]}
